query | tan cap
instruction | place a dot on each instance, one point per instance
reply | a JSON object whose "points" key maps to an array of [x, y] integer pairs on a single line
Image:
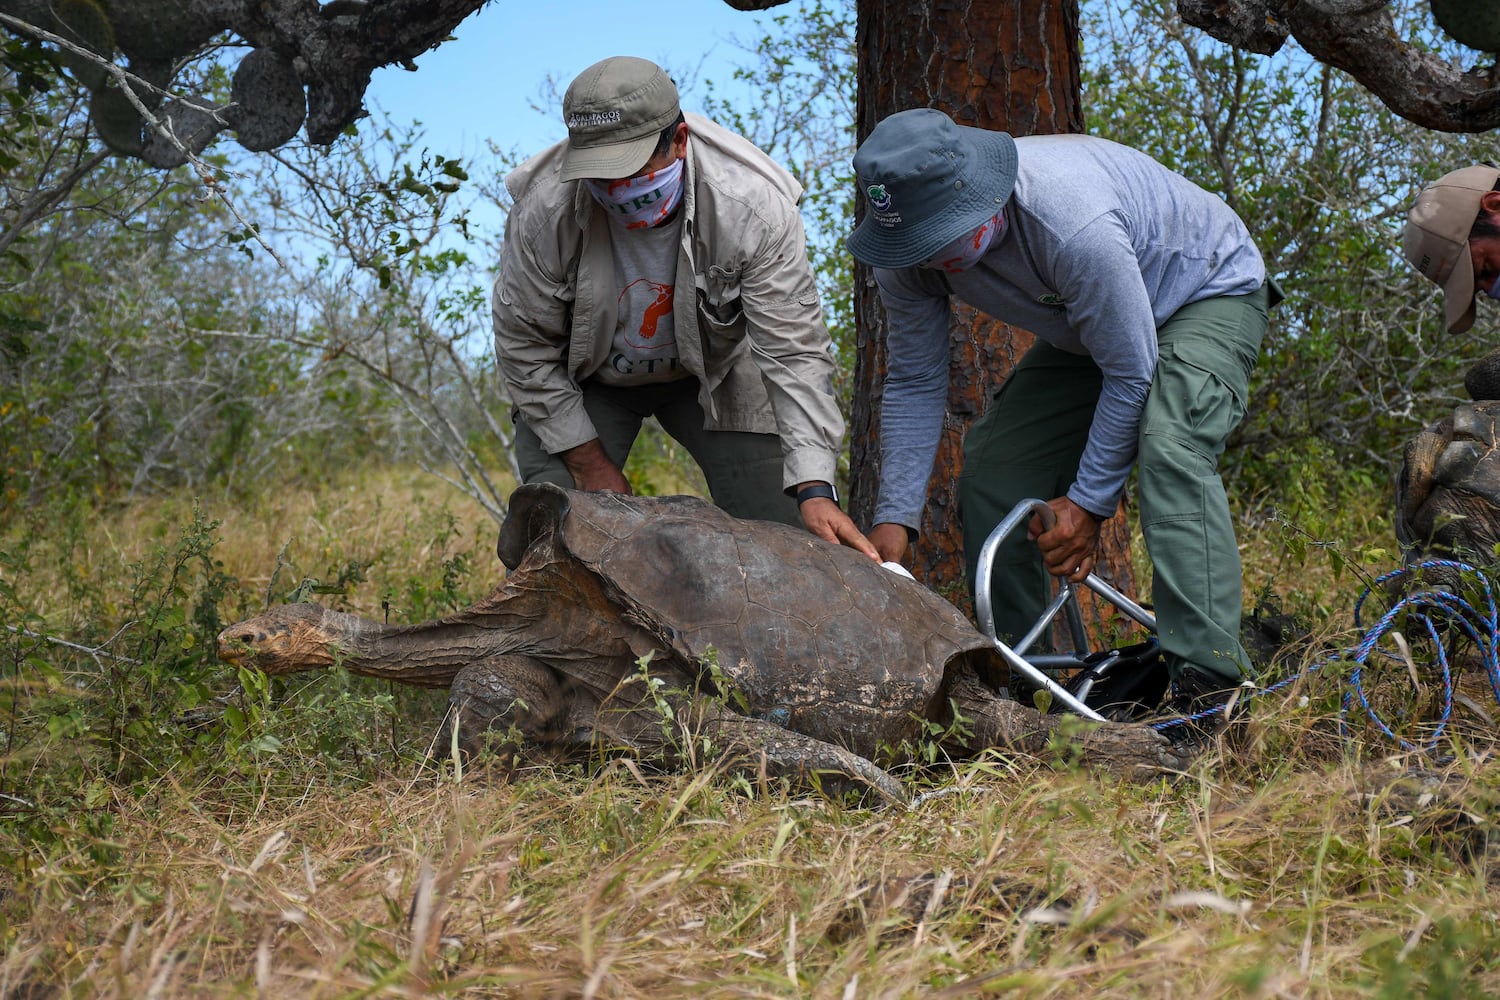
{"points": [[615, 112], [1436, 240]]}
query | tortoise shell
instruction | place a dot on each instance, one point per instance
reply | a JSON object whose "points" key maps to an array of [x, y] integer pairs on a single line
{"points": [[812, 636], [1448, 489]]}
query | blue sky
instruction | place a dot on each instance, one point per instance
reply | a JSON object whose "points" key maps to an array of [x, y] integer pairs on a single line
{"points": [[483, 83]]}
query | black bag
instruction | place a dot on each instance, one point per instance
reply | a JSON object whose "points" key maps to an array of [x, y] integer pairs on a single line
{"points": [[1124, 684]]}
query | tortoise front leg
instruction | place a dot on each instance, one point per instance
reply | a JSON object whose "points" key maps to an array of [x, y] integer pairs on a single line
{"points": [[754, 747], [514, 696]]}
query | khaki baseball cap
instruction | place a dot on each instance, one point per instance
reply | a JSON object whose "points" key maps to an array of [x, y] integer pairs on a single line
{"points": [[1436, 239], [615, 111]]}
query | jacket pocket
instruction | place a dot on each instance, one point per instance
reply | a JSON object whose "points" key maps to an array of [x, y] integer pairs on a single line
{"points": [[719, 300]]}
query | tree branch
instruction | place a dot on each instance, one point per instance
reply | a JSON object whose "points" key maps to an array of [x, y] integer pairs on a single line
{"points": [[340, 45], [45, 201], [1359, 37]]}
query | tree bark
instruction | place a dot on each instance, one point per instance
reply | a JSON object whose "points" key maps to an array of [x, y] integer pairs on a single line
{"points": [[1012, 67]]}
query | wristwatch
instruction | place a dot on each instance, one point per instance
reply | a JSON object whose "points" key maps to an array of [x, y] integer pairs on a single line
{"points": [[807, 493]]}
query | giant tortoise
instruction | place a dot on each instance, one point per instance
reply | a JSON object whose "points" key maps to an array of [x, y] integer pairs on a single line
{"points": [[1448, 489], [667, 626]]}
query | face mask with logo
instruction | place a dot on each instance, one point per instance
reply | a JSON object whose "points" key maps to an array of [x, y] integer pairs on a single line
{"points": [[964, 252], [644, 201]]}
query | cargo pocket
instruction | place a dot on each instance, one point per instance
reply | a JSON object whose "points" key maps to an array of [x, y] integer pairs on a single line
{"points": [[1192, 405]]}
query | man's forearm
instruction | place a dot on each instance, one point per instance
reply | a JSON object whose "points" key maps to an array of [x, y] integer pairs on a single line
{"points": [[592, 469]]}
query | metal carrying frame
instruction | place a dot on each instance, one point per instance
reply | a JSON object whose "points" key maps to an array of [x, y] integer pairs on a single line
{"points": [[1042, 669]]}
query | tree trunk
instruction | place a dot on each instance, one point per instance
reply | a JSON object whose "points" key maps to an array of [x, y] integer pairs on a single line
{"points": [[1007, 66]]}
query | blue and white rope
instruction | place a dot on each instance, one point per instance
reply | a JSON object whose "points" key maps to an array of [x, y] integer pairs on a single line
{"points": [[1438, 613]]}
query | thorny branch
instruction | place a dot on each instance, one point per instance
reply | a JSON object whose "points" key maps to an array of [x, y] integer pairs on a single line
{"points": [[129, 83]]}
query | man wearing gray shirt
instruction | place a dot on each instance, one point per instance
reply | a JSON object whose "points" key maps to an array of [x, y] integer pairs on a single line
{"points": [[1149, 302]]}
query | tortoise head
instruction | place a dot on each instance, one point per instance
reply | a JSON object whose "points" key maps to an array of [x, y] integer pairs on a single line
{"points": [[536, 511], [287, 638]]}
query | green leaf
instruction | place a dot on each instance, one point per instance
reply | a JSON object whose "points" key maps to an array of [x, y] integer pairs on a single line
{"points": [[267, 745], [255, 682], [65, 726]]}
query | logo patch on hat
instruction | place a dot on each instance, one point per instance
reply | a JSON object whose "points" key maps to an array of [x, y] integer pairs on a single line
{"points": [[880, 202], [593, 119]]}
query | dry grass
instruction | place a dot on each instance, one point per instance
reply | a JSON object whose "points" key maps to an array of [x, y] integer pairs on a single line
{"points": [[1030, 882], [1291, 863]]}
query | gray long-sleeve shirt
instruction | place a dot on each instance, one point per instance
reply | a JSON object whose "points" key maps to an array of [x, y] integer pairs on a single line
{"points": [[1103, 244]]}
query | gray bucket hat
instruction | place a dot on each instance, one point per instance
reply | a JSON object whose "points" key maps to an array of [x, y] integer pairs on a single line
{"points": [[615, 111], [927, 181]]}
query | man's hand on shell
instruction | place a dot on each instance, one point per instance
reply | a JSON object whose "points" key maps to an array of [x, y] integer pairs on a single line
{"points": [[890, 540], [828, 521]]}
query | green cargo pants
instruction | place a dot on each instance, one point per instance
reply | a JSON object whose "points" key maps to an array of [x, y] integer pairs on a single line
{"points": [[1028, 444], [743, 470]]}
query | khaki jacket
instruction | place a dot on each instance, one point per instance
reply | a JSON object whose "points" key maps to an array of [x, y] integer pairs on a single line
{"points": [[756, 340]]}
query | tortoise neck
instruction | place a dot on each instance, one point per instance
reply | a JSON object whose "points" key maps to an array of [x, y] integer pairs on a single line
{"points": [[429, 654]]}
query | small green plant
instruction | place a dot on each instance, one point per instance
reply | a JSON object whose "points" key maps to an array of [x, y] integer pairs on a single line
{"points": [[1438, 962], [719, 684], [930, 745], [432, 598], [1065, 738], [244, 721], [656, 690]]}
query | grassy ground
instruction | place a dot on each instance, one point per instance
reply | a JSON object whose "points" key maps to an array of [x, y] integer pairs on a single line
{"points": [[169, 829]]}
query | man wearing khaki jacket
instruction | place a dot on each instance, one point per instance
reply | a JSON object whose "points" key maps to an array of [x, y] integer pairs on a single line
{"points": [[654, 265]]}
